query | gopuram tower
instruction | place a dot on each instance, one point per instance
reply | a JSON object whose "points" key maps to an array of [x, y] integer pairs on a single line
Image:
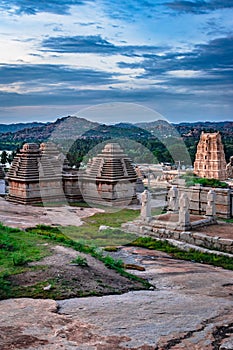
{"points": [[210, 159]]}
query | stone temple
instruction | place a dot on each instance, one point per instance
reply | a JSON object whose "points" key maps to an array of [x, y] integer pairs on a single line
{"points": [[35, 175], [210, 159], [110, 178]]}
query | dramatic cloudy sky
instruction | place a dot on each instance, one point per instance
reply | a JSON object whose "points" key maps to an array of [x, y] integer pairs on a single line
{"points": [[60, 56]]}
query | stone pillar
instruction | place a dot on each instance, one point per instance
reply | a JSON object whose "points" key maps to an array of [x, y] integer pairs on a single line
{"points": [[229, 169], [146, 206], [211, 207], [184, 217], [173, 199]]}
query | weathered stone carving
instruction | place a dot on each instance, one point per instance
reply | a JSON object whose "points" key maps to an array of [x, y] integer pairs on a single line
{"points": [[229, 169], [173, 204], [146, 206], [210, 157], [184, 216], [211, 207]]}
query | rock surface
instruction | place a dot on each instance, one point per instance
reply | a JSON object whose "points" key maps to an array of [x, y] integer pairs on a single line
{"points": [[190, 308]]}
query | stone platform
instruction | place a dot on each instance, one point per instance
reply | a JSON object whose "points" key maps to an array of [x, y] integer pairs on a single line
{"points": [[215, 235]]}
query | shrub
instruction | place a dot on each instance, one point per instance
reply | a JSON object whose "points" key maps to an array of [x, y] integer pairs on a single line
{"points": [[80, 261], [19, 259]]}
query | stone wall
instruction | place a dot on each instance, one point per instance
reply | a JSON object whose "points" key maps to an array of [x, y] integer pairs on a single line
{"points": [[194, 238], [198, 200]]}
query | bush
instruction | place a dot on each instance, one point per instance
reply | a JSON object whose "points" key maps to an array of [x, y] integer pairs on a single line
{"points": [[19, 259], [192, 180], [80, 261]]}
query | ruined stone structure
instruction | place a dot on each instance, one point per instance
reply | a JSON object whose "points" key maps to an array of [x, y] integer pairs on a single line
{"points": [[184, 216], [110, 178], [146, 206], [210, 158], [36, 175], [23, 176], [70, 180], [173, 204], [229, 169], [198, 200]]}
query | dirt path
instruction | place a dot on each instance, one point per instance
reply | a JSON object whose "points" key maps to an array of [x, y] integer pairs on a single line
{"points": [[191, 308]]}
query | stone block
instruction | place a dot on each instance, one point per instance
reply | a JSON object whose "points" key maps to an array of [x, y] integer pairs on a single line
{"points": [[185, 236], [224, 241]]}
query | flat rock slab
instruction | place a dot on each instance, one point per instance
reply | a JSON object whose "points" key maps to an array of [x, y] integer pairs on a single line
{"points": [[191, 308], [24, 216]]}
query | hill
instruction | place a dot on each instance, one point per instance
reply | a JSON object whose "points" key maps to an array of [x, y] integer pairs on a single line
{"points": [[5, 128], [155, 136]]}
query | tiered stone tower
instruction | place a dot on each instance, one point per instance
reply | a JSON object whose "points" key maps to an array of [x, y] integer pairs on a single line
{"points": [[110, 178], [23, 176], [210, 158], [35, 175]]}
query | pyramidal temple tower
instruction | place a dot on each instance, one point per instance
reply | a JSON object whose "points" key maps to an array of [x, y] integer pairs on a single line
{"points": [[210, 159], [35, 175], [110, 178]]}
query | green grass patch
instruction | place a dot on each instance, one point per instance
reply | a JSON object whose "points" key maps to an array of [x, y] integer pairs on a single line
{"points": [[89, 232], [54, 234], [193, 255], [17, 248]]}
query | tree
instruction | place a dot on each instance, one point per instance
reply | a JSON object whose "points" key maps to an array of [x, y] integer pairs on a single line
{"points": [[4, 157]]}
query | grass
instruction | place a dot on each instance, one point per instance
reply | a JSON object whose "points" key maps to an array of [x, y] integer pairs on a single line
{"points": [[18, 248], [80, 261], [193, 255], [89, 232]]}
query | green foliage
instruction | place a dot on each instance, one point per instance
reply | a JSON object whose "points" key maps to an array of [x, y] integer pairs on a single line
{"points": [[89, 232], [192, 180], [193, 255], [3, 157], [112, 263], [19, 259], [80, 261]]}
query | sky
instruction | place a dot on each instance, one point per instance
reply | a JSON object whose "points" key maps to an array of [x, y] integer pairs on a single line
{"points": [[59, 57]]}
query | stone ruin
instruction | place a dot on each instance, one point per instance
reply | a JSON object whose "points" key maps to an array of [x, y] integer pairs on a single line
{"points": [[229, 169], [42, 174], [178, 217], [110, 178], [37, 175], [210, 159]]}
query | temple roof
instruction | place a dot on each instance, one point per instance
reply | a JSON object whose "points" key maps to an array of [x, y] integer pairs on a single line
{"points": [[111, 164], [25, 164], [33, 163]]}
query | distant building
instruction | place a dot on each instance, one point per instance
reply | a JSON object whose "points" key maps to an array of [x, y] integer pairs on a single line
{"points": [[110, 178], [210, 159]]}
